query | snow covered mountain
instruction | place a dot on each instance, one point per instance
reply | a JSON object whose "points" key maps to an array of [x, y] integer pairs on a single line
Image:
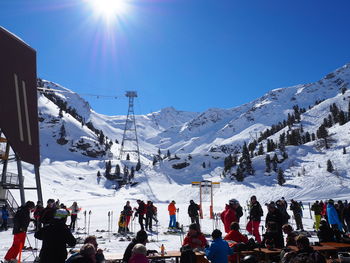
{"points": [[215, 132]]}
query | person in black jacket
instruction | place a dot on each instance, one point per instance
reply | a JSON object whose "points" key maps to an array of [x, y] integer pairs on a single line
{"points": [[193, 209], [296, 208], [150, 212], [140, 212], [127, 210], [48, 213], [55, 237], [275, 216], [255, 214], [20, 224], [141, 238], [325, 233]]}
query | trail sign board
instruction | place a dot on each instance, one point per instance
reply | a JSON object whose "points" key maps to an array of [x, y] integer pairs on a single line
{"points": [[18, 97]]}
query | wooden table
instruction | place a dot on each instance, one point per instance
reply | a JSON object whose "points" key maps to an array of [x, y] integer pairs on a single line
{"points": [[336, 245], [111, 258]]}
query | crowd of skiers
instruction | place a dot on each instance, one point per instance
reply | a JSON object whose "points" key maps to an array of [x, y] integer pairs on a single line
{"points": [[332, 220], [146, 213]]}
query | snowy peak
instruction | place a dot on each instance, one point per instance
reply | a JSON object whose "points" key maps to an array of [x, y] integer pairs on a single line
{"points": [[169, 117]]}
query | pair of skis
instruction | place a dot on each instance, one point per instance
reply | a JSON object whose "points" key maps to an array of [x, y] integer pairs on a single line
{"points": [[110, 224]]}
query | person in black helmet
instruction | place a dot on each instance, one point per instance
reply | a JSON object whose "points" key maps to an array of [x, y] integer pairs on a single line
{"points": [[20, 225]]}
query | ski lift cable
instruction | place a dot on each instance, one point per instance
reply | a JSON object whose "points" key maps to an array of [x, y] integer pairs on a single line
{"points": [[80, 94]]}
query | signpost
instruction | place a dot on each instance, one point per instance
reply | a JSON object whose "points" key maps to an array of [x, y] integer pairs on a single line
{"points": [[206, 187]]}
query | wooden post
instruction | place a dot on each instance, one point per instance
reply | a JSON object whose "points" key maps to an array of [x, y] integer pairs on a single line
{"points": [[211, 202]]}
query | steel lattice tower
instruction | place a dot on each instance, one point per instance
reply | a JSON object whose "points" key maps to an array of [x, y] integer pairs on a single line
{"points": [[130, 133]]}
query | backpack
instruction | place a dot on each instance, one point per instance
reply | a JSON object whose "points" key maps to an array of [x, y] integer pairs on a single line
{"points": [[187, 255]]}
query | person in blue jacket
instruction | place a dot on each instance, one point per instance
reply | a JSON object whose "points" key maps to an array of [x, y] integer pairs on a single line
{"points": [[332, 214], [219, 249], [5, 217]]}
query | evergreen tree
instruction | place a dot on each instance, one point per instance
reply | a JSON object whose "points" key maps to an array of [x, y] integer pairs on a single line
{"points": [[138, 166], [307, 137], [322, 133], [274, 162], [132, 172], [126, 172], [330, 121], [344, 150], [203, 165], [154, 160], [117, 170], [116, 141], [280, 177], [329, 166], [108, 168], [101, 138], [284, 155], [313, 137], [239, 174], [168, 154], [159, 152], [261, 149], [234, 160], [128, 157], [268, 163], [251, 148], [342, 118], [228, 163], [60, 113], [98, 174], [246, 161], [189, 157], [62, 131], [62, 136]]}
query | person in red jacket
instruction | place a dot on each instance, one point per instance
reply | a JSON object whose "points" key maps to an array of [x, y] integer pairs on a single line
{"points": [[195, 238], [235, 235], [229, 214]]}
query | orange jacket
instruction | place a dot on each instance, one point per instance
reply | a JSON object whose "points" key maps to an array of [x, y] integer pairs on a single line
{"points": [[172, 209]]}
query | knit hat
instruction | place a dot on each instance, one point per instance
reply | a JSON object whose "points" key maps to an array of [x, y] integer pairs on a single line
{"points": [[61, 214]]}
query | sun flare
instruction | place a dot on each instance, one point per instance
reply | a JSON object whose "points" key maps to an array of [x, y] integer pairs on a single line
{"points": [[109, 9]]}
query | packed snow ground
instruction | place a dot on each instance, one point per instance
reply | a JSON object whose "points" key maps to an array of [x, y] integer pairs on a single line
{"points": [[161, 189]]}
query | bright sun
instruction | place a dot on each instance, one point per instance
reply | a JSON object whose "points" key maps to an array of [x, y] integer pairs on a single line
{"points": [[109, 9]]}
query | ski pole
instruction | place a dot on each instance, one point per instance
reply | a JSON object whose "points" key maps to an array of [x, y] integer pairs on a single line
{"points": [[85, 221], [112, 221], [30, 245], [89, 222], [109, 217]]}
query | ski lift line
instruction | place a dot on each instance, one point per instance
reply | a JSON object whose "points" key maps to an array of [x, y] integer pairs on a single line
{"points": [[80, 94]]}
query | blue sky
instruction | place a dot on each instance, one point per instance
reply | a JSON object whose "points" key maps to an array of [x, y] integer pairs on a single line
{"points": [[189, 54]]}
